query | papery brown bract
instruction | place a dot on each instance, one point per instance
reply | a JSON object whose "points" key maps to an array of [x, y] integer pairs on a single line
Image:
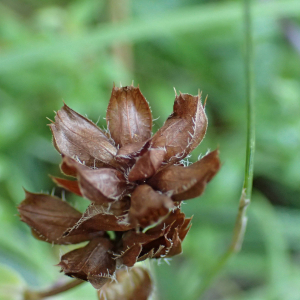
{"points": [[50, 217], [93, 263], [132, 151], [148, 206], [99, 185], [102, 185], [129, 256], [161, 241], [183, 130], [147, 165], [135, 284], [97, 218], [128, 116], [132, 246], [117, 208], [174, 228], [76, 136], [69, 185], [183, 183]]}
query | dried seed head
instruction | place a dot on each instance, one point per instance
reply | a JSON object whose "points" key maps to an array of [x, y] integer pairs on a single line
{"points": [[135, 183]]}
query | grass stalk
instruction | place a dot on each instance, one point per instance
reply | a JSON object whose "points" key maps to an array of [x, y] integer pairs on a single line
{"points": [[241, 219]]}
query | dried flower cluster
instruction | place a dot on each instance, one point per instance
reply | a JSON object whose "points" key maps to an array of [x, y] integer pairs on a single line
{"points": [[134, 180]]}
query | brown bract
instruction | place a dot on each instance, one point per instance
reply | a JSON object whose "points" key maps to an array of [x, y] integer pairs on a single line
{"points": [[69, 185], [161, 241], [76, 136], [49, 217], [98, 185], [93, 263], [98, 217], [183, 130], [135, 182], [148, 206], [183, 183], [128, 116], [133, 284], [147, 164]]}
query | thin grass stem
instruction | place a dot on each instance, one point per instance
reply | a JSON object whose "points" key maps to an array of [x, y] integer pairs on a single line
{"points": [[241, 219]]}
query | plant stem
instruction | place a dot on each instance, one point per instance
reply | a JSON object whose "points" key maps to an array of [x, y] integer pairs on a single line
{"points": [[34, 295], [250, 102], [241, 219]]}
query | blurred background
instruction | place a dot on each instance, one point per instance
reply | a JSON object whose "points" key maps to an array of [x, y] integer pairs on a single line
{"points": [[73, 50]]}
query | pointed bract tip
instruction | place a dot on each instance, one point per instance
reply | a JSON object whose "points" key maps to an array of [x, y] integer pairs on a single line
{"points": [[175, 91], [25, 191], [199, 93], [205, 101], [65, 105], [52, 122], [132, 83], [215, 153]]}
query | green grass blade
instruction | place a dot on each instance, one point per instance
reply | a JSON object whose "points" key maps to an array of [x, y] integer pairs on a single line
{"points": [[199, 18]]}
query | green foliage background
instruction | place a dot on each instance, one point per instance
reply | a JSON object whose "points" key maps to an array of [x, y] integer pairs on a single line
{"points": [[53, 50]]}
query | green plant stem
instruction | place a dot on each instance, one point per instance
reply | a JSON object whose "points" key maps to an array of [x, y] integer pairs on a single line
{"points": [[250, 102], [35, 295], [241, 219]]}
